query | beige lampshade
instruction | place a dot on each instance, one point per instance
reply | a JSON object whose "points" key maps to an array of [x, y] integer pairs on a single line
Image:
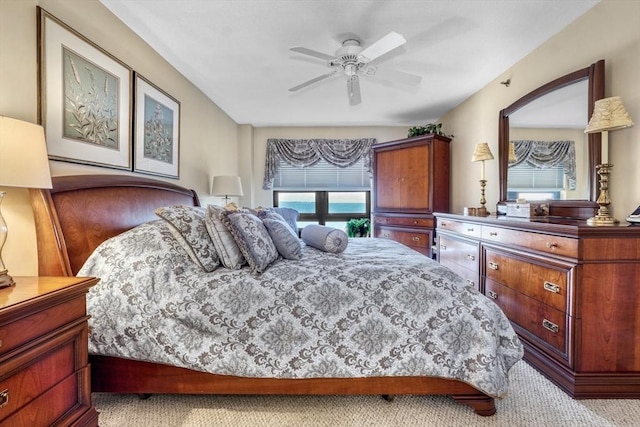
{"points": [[225, 185], [608, 114], [482, 152], [23, 155], [512, 153]]}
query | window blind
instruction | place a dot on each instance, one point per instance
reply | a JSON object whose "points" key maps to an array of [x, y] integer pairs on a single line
{"points": [[524, 176], [322, 176]]}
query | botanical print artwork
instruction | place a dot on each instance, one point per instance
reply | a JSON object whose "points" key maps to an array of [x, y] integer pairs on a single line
{"points": [[90, 102], [158, 131]]}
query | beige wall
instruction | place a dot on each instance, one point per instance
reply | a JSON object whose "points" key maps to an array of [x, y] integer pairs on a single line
{"points": [[609, 31], [207, 135]]}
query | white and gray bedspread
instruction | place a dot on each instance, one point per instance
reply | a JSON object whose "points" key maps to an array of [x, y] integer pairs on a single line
{"points": [[377, 309]]}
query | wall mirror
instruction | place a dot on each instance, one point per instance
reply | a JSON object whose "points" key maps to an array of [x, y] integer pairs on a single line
{"points": [[552, 119]]}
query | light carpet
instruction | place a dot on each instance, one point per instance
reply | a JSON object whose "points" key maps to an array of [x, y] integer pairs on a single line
{"points": [[532, 401]]}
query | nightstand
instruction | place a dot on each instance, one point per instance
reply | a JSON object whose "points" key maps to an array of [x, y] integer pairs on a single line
{"points": [[44, 371]]}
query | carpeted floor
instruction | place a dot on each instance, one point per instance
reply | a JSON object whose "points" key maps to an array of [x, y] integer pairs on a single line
{"points": [[532, 402]]}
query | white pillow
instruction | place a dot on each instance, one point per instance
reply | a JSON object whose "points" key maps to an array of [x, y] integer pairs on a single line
{"points": [[223, 240]]}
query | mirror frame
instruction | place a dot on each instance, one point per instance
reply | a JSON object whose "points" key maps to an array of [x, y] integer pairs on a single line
{"points": [[566, 208]]}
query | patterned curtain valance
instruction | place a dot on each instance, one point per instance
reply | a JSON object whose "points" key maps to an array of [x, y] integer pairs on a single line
{"points": [[307, 152], [546, 154]]}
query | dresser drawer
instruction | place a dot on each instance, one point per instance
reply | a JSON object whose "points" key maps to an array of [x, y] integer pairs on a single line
{"points": [[544, 322], [464, 228], [412, 238], [53, 406], [27, 375], [564, 246], [547, 284], [21, 331], [470, 276], [452, 250], [403, 221]]}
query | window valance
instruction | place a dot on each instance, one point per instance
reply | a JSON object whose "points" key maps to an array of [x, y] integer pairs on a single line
{"points": [[546, 154], [307, 152]]}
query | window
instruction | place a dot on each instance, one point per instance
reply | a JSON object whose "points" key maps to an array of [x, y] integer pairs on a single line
{"points": [[530, 182], [331, 208], [324, 194]]}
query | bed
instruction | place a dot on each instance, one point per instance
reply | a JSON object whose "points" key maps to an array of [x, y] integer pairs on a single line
{"points": [[84, 212]]}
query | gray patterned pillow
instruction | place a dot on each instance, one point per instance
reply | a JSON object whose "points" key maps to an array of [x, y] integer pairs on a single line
{"points": [[286, 240], [189, 229], [325, 238], [223, 240], [252, 238]]}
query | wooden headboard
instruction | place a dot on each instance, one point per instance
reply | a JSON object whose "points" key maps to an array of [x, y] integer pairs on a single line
{"points": [[82, 211]]}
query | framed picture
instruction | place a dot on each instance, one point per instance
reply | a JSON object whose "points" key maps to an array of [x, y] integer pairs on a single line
{"points": [[85, 98], [156, 130]]}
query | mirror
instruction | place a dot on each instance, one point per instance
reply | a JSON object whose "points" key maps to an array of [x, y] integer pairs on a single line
{"points": [[556, 111]]}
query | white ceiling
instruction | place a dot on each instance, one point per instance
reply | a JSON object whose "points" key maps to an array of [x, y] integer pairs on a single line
{"points": [[237, 52]]}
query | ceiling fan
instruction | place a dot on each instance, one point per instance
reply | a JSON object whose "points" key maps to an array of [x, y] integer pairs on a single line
{"points": [[352, 60]]}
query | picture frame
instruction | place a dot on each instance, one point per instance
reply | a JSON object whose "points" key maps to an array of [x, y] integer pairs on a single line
{"points": [[156, 130], [85, 98]]}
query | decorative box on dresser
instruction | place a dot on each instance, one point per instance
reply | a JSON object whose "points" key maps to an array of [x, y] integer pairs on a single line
{"points": [[44, 371], [571, 291], [410, 182]]}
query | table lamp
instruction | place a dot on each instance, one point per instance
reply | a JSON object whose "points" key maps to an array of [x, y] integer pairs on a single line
{"points": [[480, 154], [227, 186], [608, 114], [23, 163]]}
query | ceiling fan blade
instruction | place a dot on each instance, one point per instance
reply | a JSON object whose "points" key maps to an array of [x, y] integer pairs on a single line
{"points": [[312, 81], [313, 53], [353, 90], [394, 76], [382, 46]]}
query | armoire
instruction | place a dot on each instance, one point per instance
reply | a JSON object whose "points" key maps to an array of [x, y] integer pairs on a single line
{"points": [[410, 182]]}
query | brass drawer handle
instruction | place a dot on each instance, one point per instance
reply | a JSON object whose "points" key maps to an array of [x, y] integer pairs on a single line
{"points": [[551, 245], [550, 326], [471, 283], [493, 233], [4, 397], [491, 294], [415, 238], [443, 247], [493, 265], [415, 222], [551, 287], [471, 257], [469, 230]]}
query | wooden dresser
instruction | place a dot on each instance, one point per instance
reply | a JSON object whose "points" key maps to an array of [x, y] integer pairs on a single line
{"points": [[44, 372], [410, 182], [571, 291]]}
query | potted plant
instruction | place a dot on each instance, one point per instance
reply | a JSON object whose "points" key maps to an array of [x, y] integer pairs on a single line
{"points": [[359, 227], [434, 128]]}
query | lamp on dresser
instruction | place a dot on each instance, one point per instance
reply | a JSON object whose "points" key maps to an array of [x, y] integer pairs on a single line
{"points": [[608, 114], [23, 163], [227, 186], [481, 153]]}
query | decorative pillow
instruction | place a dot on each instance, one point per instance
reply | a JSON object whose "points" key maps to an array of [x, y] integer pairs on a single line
{"points": [[290, 215], [325, 238], [284, 238], [223, 240], [189, 229], [252, 238]]}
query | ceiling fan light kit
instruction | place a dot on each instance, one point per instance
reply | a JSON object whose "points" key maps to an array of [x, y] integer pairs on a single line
{"points": [[351, 60]]}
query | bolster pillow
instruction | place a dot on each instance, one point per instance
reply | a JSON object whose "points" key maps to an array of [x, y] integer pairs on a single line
{"points": [[325, 238]]}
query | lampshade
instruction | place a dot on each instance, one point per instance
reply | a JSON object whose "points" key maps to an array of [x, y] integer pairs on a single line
{"points": [[482, 152], [608, 114], [224, 185], [512, 153], [23, 155]]}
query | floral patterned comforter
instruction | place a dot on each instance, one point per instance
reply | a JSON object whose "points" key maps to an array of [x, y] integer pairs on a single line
{"points": [[377, 309]]}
